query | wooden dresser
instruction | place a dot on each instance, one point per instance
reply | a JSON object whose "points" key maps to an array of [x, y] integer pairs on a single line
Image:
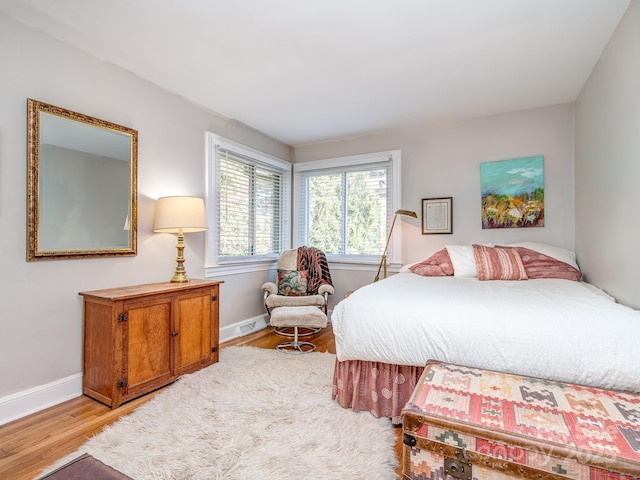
{"points": [[142, 337]]}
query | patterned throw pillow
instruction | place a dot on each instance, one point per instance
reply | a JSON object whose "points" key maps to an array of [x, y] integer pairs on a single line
{"points": [[437, 265], [498, 263], [539, 265], [292, 282]]}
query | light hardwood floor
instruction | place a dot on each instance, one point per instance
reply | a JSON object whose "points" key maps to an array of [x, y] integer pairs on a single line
{"points": [[32, 443]]}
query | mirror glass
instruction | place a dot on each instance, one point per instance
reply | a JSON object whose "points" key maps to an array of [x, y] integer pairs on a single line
{"points": [[81, 185]]}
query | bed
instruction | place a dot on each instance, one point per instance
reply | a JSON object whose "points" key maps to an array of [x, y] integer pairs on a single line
{"points": [[467, 308]]}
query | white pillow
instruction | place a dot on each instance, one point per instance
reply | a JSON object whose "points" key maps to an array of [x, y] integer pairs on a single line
{"points": [[463, 261], [405, 268], [558, 253]]}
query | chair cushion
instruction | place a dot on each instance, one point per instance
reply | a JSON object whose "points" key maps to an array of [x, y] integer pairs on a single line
{"points": [[292, 282], [298, 317], [288, 260], [274, 301]]}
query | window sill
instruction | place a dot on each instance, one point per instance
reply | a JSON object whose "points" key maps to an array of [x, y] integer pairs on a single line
{"points": [[239, 268], [362, 266], [343, 264]]}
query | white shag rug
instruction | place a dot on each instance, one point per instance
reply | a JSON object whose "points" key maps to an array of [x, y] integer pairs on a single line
{"points": [[257, 414]]}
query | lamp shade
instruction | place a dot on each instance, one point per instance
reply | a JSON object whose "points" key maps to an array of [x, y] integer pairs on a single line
{"points": [[180, 215], [406, 213]]}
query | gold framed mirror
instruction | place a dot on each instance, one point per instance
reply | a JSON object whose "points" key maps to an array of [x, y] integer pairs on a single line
{"points": [[81, 185]]}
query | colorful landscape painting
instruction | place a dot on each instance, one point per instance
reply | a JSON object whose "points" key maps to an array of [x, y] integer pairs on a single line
{"points": [[513, 193]]}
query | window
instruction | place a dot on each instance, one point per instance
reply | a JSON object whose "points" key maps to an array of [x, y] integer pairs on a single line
{"points": [[248, 204], [344, 206]]}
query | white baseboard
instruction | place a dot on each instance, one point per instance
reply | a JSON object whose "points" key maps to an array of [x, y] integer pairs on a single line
{"points": [[33, 400], [242, 328]]}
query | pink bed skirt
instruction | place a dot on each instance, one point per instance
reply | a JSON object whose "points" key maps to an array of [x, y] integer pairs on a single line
{"points": [[379, 388]]}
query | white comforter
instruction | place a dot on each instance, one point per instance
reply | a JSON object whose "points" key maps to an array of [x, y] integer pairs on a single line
{"points": [[556, 329]]}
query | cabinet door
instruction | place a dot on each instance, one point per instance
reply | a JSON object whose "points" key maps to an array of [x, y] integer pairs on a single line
{"points": [[193, 325], [148, 344]]}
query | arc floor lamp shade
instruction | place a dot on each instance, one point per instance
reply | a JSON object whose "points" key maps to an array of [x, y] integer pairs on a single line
{"points": [[180, 215]]}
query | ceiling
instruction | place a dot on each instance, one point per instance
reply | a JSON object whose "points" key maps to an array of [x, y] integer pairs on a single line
{"points": [[307, 71]]}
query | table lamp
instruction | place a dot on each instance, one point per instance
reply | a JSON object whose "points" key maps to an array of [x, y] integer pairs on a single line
{"points": [[180, 215]]}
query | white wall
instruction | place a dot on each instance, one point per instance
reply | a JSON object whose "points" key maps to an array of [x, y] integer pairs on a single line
{"points": [[444, 161], [41, 311], [607, 169]]}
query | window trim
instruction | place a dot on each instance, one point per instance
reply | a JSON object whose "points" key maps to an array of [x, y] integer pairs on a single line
{"points": [[215, 266], [393, 253]]}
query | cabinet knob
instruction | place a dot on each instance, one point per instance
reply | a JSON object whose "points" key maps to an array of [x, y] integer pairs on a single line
{"points": [[174, 333]]}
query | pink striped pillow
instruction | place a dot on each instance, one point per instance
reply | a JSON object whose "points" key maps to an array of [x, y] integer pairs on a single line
{"points": [[498, 263]]}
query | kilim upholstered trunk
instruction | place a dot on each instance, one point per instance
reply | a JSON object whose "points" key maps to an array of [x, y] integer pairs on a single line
{"points": [[472, 424]]}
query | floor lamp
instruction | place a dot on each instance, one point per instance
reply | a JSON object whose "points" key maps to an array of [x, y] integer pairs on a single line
{"points": [[180, 215], [383, 260]]}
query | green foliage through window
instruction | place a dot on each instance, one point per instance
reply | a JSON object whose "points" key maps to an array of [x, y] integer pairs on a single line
{"points": [[347, 211]]}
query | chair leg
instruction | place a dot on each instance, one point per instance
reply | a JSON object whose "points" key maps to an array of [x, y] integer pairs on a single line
{"points": [[296, 347], [288, 331]]}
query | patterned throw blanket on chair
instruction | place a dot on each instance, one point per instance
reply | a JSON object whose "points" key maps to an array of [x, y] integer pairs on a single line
{"points": [[315, 261]]}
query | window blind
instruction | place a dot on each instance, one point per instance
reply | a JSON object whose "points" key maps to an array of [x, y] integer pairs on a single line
{"points": [[250, 197]]}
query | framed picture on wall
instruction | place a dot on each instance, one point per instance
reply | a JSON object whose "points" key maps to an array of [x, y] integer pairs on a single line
{"points": [[513, 193], [436, 215]]}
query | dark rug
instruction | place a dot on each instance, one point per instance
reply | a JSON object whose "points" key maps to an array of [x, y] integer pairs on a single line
{"points": [[85, 467]]}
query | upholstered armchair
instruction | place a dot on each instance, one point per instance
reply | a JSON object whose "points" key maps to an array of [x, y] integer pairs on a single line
{"points": [[298, 300], [303, 280]]}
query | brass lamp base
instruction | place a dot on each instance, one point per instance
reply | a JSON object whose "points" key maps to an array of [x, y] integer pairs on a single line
{"points": [[383, 265], [180, 276]]}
